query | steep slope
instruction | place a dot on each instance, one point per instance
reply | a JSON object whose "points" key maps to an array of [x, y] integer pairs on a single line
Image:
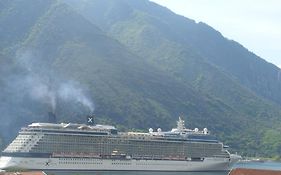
{"points": [[144, 19], [250, 70], [167, 41], [62, 47], [135, 62], [16, 19], [189, 52]]}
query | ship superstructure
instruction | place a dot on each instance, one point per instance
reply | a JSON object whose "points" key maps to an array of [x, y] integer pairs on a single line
{"points": [[80, 147]]}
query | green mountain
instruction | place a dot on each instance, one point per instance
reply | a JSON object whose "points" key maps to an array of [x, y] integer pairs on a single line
{"points": [[139, 66]]}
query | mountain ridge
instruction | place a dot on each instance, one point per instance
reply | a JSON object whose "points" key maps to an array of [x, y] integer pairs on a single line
{"points": [[141, 65]]}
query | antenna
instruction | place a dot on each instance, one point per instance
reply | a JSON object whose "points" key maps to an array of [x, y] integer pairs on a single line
{"points": [[180, 124]]}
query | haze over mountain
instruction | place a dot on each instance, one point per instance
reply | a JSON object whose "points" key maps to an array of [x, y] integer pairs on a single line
{"points": [[134, 64]]}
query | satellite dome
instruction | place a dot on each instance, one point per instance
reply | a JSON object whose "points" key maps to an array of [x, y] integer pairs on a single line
{"points": [[205, 130]]}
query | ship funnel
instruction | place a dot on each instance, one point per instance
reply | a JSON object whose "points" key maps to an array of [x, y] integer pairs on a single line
{"points": [[52, 117]]}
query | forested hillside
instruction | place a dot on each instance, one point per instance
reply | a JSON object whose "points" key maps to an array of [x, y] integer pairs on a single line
{"points": [[133, 64]]}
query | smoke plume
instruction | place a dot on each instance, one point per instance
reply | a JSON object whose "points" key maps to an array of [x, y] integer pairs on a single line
{"points": [[46, 86], [71, 91], [40, 91]]}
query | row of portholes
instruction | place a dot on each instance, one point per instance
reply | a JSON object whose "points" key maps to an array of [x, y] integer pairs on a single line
{"points": [[120, 163], [81, 159], [84, 163]]}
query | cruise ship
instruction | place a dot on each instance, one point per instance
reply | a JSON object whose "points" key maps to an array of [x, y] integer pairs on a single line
{"points": [[82, 147]]}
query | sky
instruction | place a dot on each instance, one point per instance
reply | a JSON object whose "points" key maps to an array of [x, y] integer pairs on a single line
{"points": [[256, 24]]}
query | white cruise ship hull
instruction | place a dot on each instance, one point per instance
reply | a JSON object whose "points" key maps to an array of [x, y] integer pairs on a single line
{"points": [[94, 164]]}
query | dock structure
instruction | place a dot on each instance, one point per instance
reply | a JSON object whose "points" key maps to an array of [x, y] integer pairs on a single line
{"points": [[244, 171]]}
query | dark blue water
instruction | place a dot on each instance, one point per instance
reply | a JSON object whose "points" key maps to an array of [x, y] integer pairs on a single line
{"points": [[259, 165], [253, 165]]}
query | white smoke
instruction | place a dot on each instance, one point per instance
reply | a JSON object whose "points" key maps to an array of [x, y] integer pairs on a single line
{"points": [[70, 91], [45, 92], [44, 86], [40, 91]]}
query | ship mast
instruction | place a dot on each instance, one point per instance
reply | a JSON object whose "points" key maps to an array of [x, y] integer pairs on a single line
{"points": [[180, 125]]}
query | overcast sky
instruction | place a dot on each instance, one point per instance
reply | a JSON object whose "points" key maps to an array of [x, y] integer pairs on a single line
{"points": [[256, 24]]}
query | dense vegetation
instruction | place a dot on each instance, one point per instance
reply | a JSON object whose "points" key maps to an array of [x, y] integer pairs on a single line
{"points": [[139, 65]]}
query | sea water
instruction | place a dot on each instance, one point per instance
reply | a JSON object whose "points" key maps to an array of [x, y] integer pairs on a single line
{"points": [[260, 165], [252, 165]]}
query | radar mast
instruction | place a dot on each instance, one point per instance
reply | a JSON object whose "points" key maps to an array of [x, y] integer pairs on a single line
{"points": [[180, 124]]}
